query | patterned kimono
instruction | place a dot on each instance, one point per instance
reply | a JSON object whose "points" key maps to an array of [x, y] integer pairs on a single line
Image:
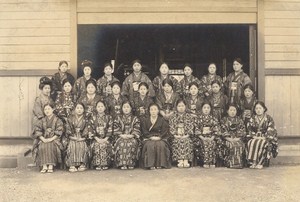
{"points": [[194, 105], [79, 88], [208, 79], [140, 107], [131, 84], [208, 150], [103, 84], [114, 105], [77, 151], [233, 127], [182, 124], [259, 151], [101, 127], [185, 82], [126, 150], [166, 103], [64, 104], [247, 108], [218, 102], [57, 80], [38, 108], [157, 84], [155, 153], [234, 85], [90, 103], [47, 153]]}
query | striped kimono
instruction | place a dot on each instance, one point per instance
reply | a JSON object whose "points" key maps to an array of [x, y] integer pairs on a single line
{"points": [[194, 105], [157, 84], [115, 105], [103, 84], [64, 105], [208, 79], [218, 102], [90, 103], [79, 88], [185, 82], [38, 108], [140, 106]]}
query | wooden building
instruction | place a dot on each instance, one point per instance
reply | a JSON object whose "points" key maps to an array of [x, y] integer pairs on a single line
{"points": [[36, 34]]}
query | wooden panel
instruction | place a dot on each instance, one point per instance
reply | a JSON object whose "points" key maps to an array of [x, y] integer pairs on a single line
{"points": [[33, 1], [38, 31], [282, 6], [282, 72], [282, 31], [282, 39], [282, 64], [163, 18], [28, 65], [280, 56], [34, 49], [273, 48], [33, 23], [282, 14], [34, 7], [34, 57], [295, 105], [60, 15], [35, 40], [282, 22]]}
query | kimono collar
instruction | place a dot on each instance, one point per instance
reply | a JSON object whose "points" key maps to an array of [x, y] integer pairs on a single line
{"points": [[168, 95], [86, 79], [90, 96], [137, 74], [50, 118], [108, 78], [162, 77]]}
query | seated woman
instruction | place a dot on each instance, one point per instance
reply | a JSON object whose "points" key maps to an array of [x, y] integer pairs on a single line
{"points": [[263, 143], [182, 132], [155, 132], [247, 102], [127, 131], [194, 100], [47, 147], [233, 131]]}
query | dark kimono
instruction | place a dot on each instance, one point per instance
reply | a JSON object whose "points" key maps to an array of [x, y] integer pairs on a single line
{"points": [[64, 104], [140, 107], [77, 151], [208, 79], [79, 88], [101, 127], [57, 81], [131, 84], [157, 84], [247, 108], [103, 84], [218, 102], [234, 85], [233, 127], [259, 151], [194, 105], [167, 105], [90, 103], [38, 108], [47, 153], [155, 153], [126, 150], [182, 124], [115, 105], [185, 82]]}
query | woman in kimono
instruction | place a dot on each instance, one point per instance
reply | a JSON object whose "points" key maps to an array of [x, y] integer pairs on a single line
{"points": [[194, 100], [218, 100], [155, 133], [182, 131], [167, 99], [127, 131], [101, 130], [46, 146], [247, 102], [59, 77], [115, 100], [164, 74], [104, 83], [263, 143], [131, 84], [187, 79], [207, 135], [140, 104], [90, 98], [233, 131], [77, 134], [79, 88], [209, 78], [236, 81]]}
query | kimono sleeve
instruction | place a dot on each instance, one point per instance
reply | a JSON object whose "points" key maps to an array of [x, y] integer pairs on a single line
{"points": [[224, 127], [69, 127], [155, 83], [241, 129], [172, 124], [216, 127], [54, 83], [164, 129], [271, 130], [59, 128], [38, 130], [117, 126], [136, 127], [76, 89], [247, 80], [85, 132], [58, 105], [109, 127], [144, 129], [126, 87], [37, 108], [151, 92], [251, 127], [159, 102]]}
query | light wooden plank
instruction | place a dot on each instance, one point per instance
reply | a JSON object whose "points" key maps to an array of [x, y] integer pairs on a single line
{"points": [[33, 1], [282, 14], [271, 48], [282, 64], [34, 23], [35, 40], [282, 39], [282, 6], [28, 65], [282, 31], [283, 56], [34, 57], [282, 22], [54, 15], [33, 92], [295, 105], [24, 123], [38, 31], [35, 7], [42, 49]]}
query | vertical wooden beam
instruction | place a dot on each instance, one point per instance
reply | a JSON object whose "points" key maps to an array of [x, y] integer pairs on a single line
{"points": [[261, 49], [73, 37], [252, 54]]}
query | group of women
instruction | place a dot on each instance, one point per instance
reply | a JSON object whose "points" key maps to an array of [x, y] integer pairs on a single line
{"points": [[89, 123]]}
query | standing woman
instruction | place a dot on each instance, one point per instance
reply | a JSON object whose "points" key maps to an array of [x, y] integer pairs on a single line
{"points": [[236, 81], [194, 100], [247, 102], [263, 143], [155, 132], [104, 83], [141, 103], [209, 78], [182, 131], [189, 78], [127, 131]]}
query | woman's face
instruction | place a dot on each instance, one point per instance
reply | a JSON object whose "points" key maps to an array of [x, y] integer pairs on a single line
{"points": [[137, 67], [164, 69], [167, 88], [248, 93], [100, 107], [107, 70], [181, 107], [212, 68], [79, 109], [48, 110], [63, 68], [237, 66], [90, 89], [187, 71], [194, 90], [67, 87], [87, 71], [154, 110], [206, 109], [143, 90], [116, 90], [259, 110], [126, 108], [215, 88], [231, 111], [46, 90]]}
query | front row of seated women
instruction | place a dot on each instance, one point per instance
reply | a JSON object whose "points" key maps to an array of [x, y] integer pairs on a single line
{"points": [[152, 142]]}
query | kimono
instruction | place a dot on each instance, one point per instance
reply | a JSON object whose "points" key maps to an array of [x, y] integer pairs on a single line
{"points": [[165, 103], [234, 85], [233, 127], [90, 103], [64, 105], [194, 105], [247, 108], [182, 124], [103, 84], [79, 88], [77, 151], [259, 151], [218, 102], [207, 151], [131, 84], [115, 105], [155, 153], [57, 81], [101, 127], [140, 107], [38, 108], [126, 150], [47, 153], [185, 82], [157, 84], [208, 79]]}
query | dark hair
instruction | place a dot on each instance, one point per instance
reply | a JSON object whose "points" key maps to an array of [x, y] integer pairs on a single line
{"points": [[187, 65], [104, 103], [50, 104], [250, 86], [86, 63], [217, 82], [167, 81], [108, 64], [144, 84], [91, 81], [116, 83], [66, 81], [61, 63], [126, 102], [235, 106], [45, 81], [180, 101], [239, 60], [261, 103], [206, 103], [212, 63], [193, 83], [80, 103], [136, 61], [153, 104], [164, 63]]}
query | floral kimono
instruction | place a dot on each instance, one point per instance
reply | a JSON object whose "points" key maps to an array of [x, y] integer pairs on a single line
{"points": [[101, 127], [166, 102], [115, 105], [126, 150], [90, 103], [218, 102], [233, 127], [208, 79], [264, 142], [57, 81], [47, 153], [194, 105], [140, 107], [77, 151], [247, 108], [103, 84], [38, 108], [79, 88], [185, 82], [182, 124], [64, 104], [157, 84]]}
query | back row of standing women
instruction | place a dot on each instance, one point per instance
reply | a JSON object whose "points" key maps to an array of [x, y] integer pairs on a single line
{"points": [[99, 123]]}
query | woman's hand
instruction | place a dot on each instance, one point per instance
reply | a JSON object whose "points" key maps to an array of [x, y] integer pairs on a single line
{"points": [[130, 136], [123, 136], [155, 138], [177, 136]]}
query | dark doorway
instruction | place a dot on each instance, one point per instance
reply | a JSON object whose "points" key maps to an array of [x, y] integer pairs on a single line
{"points": [[175, 44]]}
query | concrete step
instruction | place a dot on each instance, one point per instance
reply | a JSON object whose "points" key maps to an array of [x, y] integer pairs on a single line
{"points": [[285, 160], [8, 161]]}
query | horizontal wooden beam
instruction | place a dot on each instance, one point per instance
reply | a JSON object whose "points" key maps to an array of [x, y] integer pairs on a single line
{"points": [[282, 72], [28, 73]]}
